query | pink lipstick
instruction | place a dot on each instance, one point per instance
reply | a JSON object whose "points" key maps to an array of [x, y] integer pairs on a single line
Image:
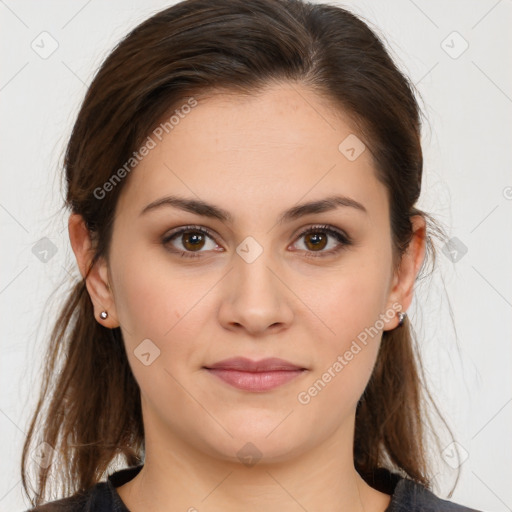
{"points": [[255, 376]]}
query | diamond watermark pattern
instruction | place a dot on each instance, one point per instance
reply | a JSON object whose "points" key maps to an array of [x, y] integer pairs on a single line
{"points": [[44, 45], [454, 45], [146, 352], [454, 249], [42, 454], [249, 249], [249, 455], [452, 452], [351, 147], [44, 249]]}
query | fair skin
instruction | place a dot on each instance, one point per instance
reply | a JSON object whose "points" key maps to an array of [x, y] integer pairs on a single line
{"points": [[253, 157]]}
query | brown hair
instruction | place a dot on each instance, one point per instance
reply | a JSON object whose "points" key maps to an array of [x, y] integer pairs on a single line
{"points": [[94, 414]]}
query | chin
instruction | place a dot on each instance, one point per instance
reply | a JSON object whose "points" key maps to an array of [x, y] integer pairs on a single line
{"points": [[252, 445]]}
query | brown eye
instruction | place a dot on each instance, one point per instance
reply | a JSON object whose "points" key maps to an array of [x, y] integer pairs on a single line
{"points": [[193, 240], [189, 241], [317, 238]]}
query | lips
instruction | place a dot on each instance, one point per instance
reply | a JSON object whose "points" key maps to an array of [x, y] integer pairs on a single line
{"points": [[248, 375], [243, 364]]}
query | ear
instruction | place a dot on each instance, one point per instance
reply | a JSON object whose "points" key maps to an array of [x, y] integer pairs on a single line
{"points": [[97, 281], [402, 288]]}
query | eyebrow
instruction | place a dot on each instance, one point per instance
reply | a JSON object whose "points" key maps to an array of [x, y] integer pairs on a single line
{"points": [[205, 209]]}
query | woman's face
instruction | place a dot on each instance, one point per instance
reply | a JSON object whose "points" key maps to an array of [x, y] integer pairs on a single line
{"points": [[254, 286]]}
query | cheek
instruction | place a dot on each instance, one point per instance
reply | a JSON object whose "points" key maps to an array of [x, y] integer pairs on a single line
{"points": [[158, 303], [157, 312], [346, 353], [152, 297], [352, 299], [350, 305]]}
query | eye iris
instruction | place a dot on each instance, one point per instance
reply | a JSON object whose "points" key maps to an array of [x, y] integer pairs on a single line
{"points": [[319, 240], [196, 239]]}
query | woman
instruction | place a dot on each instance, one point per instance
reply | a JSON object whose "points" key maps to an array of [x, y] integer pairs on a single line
{"points": [[242, 180]]}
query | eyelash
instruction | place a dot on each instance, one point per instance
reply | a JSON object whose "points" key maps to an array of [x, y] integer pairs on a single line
{"points": [[341, 237]]}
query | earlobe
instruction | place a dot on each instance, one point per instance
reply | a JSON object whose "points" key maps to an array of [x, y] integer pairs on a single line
{"points": [[97, 278]]}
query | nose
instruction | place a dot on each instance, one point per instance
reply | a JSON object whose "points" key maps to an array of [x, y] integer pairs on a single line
{"points": [[255, 296]]}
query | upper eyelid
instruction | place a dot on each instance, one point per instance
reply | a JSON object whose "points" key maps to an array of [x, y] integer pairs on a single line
{"points": [[184, 229]]}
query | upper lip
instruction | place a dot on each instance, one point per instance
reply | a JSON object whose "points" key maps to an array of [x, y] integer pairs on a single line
{"points": [[248, 365]]}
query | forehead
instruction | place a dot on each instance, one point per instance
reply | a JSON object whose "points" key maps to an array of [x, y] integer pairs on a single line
{"points": [[273, 148]]}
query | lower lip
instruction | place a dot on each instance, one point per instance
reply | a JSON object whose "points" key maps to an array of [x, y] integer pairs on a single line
{"points": [[255, 381]]}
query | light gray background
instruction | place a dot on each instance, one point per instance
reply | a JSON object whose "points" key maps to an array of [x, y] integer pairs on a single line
{"points": [[467, 186]]}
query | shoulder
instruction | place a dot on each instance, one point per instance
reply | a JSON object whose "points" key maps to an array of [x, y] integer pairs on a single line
{"points": [[101, 497], [63, 505], [96, 499], [410, 496]]}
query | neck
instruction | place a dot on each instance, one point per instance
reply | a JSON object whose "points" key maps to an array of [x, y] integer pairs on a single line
{"points": [[178, 477]]}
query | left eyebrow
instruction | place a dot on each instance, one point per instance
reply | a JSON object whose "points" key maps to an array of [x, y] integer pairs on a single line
{"points": [[205, 209], [320, 206]]}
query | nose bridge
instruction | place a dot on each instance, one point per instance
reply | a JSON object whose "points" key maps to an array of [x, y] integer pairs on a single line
{"points": [[252, 267], [256, 295]]}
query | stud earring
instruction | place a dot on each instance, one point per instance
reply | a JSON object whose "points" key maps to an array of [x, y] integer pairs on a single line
{"points": [[103, 315], [401, 318]]}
